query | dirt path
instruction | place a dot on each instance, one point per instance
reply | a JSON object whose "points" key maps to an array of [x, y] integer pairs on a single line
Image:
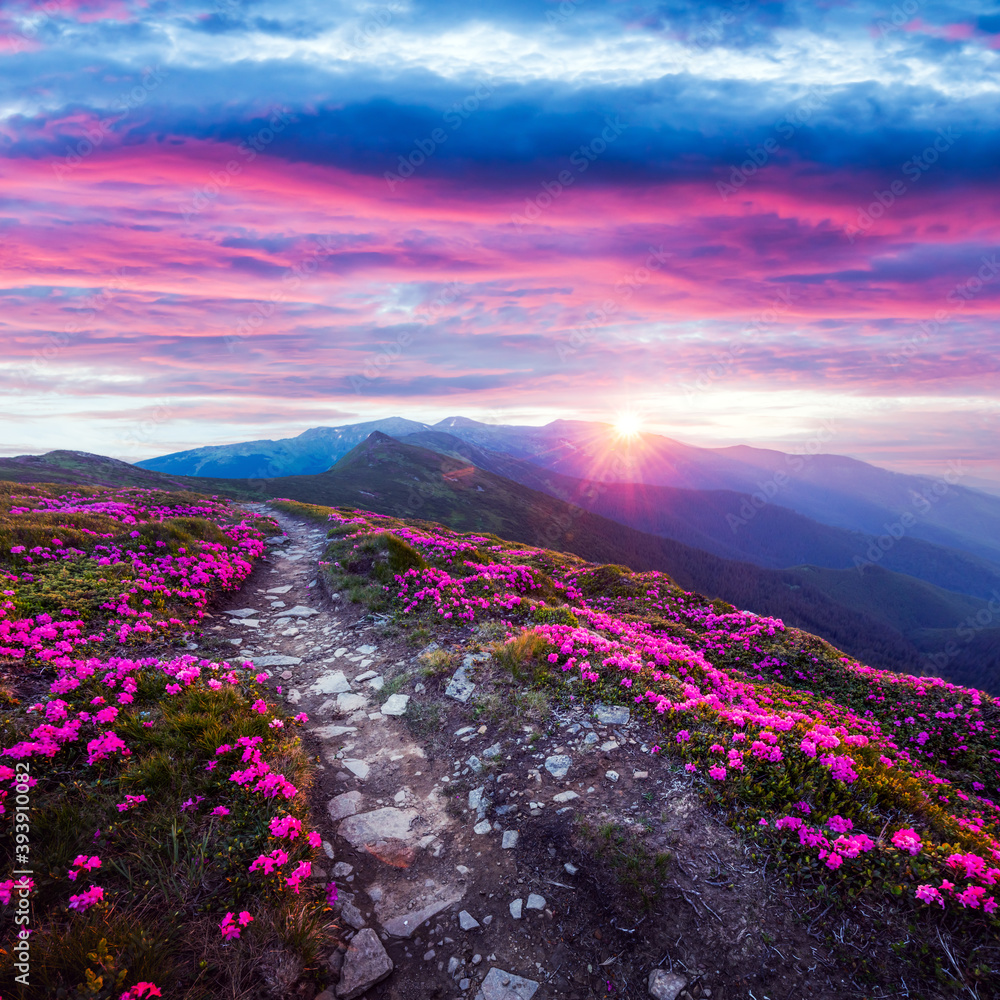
{"points": [[505, 860]]}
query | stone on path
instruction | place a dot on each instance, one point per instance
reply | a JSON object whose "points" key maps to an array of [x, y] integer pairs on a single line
{"points": [[365, 964], [460, 687], [243, 613], [280, 590], [611, 715], [387, 823], [535, 902], [663, 985], [515, 908], [405, 923], [509, 839], [484, 826], [352, 915], [332, 683], [276, 660], [342, 806], [558, 766], [492, 752], [333, 731], [360, 768], [612, 775], [347, 703], [301, 611], [500, 985], [565, 797], [396, 704], [276, 540], [467, 921]]}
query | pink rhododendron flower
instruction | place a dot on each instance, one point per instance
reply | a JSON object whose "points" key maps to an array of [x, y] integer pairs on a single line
{"points": [[85, 900], [141, 991], [928, 894], [907, 840], [230, 928]]}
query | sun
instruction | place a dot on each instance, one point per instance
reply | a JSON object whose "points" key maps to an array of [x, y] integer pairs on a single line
{"points": [[628, 425]]}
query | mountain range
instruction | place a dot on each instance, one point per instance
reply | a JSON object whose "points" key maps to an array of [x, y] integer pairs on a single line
{"points": [[884, 617]]}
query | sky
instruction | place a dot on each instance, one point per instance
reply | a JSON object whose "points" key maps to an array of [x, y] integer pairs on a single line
{"points": [[768, 223]]}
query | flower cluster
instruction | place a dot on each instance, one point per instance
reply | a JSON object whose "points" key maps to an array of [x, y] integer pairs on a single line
{"points": [[745, 701]]}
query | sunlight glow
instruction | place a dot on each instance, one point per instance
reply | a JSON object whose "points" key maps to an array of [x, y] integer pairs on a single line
{"points": [[628, 425]]}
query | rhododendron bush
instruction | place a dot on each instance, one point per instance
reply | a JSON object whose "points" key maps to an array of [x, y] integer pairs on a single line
{"points": [[156, 777], [860, 778]]}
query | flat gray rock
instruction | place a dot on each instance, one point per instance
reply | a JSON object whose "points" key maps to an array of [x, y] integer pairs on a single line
{"points": [[347, 703], [558, 766], [467, 921], [243, 613], [500, 985], [515, 908], [663, 985], [509, 839], [611, 715], [352, 915], [396, 704], [359, 768], [492, 752], [535, 902], [387, 823], [342, 806], [483, 827], [277, 540], [276, 660], [365, 964], [280, 590], [332, 683], [300, 611], [333, 731], [405, 924]]}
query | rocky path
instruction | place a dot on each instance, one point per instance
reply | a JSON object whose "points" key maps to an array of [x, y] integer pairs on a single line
{"points": [[493, 861]]}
